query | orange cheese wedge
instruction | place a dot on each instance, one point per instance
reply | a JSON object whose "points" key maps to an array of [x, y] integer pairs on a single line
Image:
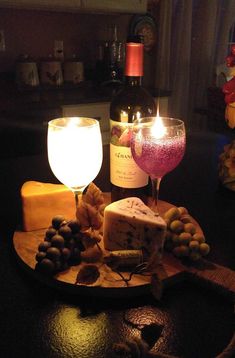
{"points": [[42, 201]]}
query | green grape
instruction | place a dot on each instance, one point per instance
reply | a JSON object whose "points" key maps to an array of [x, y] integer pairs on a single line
{"points": [[57, 241], [194, 255], [186, 219], [194, 245], [172, 214], [40, 256], [175, 239], [176, 251], [181, 251], [189, 227], [182, 210], [65, 231], [185, 238], [44, 246], [53, 253], [204, 249], [177, 226], [57, 221], [199, 237]]}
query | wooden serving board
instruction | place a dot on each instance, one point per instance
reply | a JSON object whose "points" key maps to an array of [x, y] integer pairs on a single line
{"points": [[110, 284]]}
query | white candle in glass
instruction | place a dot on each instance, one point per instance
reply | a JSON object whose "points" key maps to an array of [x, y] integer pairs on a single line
{"points": [[75, 151]]}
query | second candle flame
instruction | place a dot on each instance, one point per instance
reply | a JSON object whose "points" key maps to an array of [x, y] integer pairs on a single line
{"points": [[158, 129]]}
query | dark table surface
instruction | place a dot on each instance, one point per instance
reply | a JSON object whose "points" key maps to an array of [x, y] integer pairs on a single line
{"points": [[189, 321]]}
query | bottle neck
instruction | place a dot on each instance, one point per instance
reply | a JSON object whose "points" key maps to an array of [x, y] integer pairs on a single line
{"points": [[133, 81], [134, 64], [134, 60]]}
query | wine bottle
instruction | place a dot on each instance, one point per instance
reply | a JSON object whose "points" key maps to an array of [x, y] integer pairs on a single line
{"points": [[130, 103]]}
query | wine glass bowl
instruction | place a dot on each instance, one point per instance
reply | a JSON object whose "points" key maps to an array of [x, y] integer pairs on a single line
{"points": [[75, 151], [157, 146]]}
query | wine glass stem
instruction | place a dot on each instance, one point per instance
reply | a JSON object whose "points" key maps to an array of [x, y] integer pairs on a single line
{"points": [[155, 192]]}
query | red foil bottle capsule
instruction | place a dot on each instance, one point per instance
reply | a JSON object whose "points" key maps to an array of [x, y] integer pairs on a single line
{"points": [[134, 59]]}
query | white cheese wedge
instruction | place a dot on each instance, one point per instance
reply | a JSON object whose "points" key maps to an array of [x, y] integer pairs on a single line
{"points": [[130, 224]]}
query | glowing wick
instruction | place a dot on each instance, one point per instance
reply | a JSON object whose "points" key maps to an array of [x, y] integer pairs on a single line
{"points": [[158, 129]]}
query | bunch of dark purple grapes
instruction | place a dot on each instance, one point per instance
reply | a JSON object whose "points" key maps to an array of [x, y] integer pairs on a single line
{"points": [[61, 247]]}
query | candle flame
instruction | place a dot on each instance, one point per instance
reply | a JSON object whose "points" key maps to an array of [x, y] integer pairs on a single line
{"points": [[158, 129], [158, 109]]}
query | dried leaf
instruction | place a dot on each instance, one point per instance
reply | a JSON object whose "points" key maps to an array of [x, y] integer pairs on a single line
{"points": [[88, 216], [101, 209], [88, 275], [82, 215], [95, 218], [93, 195], [90, 238], [91, 254]]}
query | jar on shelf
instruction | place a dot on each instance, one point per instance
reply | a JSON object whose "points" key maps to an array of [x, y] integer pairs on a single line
{"points": [[26, 72], [51, 72], [73, 70]]}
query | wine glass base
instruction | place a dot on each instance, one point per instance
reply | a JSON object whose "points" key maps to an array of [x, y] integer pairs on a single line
{"points": [[151, 203]]}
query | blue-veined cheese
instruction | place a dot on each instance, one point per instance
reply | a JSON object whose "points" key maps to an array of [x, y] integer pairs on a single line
{"points": [[130, 225]]}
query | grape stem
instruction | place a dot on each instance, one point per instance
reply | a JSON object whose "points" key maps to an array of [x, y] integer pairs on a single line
{"points": [[139, 269]]}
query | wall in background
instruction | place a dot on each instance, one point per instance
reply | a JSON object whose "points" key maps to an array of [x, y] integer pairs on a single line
{"points": [[34, 32]]}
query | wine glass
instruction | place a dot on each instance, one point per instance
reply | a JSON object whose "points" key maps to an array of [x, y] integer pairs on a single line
{"points": [[157, 146], [75, 151]]}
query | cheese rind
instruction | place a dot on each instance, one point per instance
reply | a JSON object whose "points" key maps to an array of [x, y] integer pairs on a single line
{"points": [[42, 201], [130, 224]]}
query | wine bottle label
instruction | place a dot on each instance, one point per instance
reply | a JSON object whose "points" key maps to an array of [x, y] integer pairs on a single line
{"points": [[124, 172]]}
